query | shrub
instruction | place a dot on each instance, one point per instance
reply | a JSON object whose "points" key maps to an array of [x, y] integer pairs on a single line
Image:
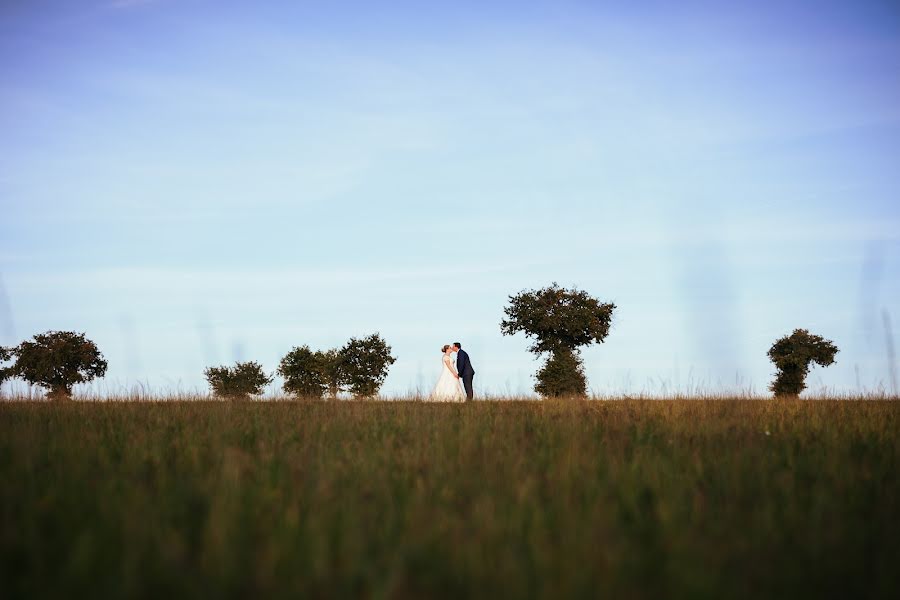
{"points": [[56, 360], [560, 321], [304, 372], [364, 365], [238, 382], [793, 355]]}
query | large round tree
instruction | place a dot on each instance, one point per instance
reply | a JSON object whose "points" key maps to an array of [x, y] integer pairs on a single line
{"points": [[56, 360], [560, 321], [793, 355]]}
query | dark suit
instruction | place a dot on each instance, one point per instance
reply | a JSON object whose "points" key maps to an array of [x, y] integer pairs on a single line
{"points": [[466, 372]]}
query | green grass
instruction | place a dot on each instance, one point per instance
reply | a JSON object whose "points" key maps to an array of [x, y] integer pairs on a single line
{"points": [[632, 498]]}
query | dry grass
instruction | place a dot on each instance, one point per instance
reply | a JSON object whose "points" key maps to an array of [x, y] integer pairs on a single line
{"points": [[633, 498]]}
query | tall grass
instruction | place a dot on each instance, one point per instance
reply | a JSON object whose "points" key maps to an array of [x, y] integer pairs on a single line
{"points": [[632, 498]]}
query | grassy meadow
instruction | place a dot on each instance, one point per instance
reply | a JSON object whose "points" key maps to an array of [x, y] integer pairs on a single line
{"points": [[724, 498]]}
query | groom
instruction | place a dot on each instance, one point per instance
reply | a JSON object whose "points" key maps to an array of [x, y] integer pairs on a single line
{"points": [[464, 368]]}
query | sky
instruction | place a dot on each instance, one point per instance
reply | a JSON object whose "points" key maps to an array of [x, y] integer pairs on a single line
{"points": [[192, 183]]}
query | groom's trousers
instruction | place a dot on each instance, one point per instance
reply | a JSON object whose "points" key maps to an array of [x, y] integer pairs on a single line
{"points": [[467, 383]]}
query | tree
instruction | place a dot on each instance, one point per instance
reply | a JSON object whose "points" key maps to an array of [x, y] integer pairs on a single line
{"points": [[56, 360], [238, 382], [364, 365], [793, 355], [305, 372], [560, 321], [334, 373]]}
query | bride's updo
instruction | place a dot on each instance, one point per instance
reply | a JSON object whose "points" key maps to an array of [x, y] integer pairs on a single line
{"points": [[444, 349]]}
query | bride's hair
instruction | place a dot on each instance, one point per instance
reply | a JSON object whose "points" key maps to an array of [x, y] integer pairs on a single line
{"points": [[444, 349]]}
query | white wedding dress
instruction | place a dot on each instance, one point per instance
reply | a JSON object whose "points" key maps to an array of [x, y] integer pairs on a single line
{"points": [[447, 388]]}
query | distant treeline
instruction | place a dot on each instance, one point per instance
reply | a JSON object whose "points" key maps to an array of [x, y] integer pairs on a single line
{"points": [[560, 321]]}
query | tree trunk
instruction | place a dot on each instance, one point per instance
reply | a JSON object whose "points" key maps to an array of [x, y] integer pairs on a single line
{"points": [[59, 394]]}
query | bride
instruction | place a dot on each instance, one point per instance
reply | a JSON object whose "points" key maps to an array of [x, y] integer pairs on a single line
{"points": [[447, 388]]}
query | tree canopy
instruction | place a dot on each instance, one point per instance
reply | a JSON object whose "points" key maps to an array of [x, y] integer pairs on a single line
{"points": [[558, 318]]}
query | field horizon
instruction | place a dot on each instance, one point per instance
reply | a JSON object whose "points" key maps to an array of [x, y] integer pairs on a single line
{"points": [[169, 397]]}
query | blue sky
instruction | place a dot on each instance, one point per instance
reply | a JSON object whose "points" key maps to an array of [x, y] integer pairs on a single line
{"points": [[192, 183]]}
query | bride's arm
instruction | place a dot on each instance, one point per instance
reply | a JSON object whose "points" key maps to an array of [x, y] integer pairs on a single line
{"points": [[449, 364]]}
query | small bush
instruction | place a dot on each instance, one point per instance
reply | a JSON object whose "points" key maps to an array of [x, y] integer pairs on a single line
{"points": [[562, 375], [364, 365], [239, 382], [56, 360], [793, 354]]}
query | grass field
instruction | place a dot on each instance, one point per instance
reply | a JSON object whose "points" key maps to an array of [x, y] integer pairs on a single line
{"points": [[630, 498]]}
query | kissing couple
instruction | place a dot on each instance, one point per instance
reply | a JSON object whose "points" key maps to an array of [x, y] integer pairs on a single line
{"points": [[448, 388]]}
